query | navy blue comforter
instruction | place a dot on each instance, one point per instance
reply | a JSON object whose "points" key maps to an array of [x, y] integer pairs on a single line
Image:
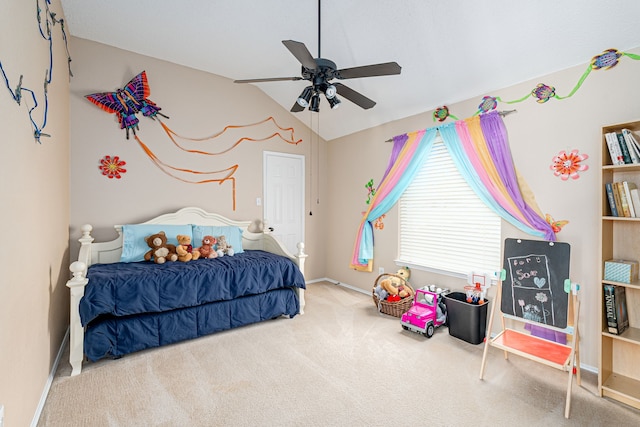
{"points": [[125, 289]]}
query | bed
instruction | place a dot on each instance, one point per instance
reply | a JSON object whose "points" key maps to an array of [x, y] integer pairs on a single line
{"points": [[121, 303]]}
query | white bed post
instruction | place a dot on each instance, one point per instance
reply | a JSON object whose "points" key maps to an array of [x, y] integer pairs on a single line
{"points": [[76, 285], [301, 256], [76, 331]]}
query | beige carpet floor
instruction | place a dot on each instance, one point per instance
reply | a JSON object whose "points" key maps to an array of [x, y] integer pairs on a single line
{"points": [[339, 364]]}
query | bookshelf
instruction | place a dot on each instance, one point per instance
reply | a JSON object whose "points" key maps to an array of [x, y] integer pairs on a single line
{"points": [[619, 367]]}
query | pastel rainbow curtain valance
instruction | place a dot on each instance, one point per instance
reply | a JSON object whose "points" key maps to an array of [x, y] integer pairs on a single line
{"points": [[409, 151], [479, 148]]}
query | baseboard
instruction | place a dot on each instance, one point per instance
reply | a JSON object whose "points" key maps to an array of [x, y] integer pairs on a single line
{"points": [[47, 386], [335, 282]]}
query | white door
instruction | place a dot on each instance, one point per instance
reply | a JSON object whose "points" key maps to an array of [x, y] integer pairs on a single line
{"points": [[284, 197]]}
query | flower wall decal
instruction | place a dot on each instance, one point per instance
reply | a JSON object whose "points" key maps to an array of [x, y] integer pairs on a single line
{"points": [[567, 165], [112, 167]]}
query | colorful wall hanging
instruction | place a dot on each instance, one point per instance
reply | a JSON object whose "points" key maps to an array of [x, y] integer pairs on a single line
{"points": [[556, 226], [133, 98], [567, 165], [49, 22], [442, 113], [371, 191], [544, 92], [112, 167], [127, 102], [379, 224]]}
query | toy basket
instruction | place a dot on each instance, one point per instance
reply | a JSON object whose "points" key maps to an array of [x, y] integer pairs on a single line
{"points": [[392, 308]]}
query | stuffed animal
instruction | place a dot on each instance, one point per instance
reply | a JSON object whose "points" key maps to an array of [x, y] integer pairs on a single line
{"points": [[160, 251], [207, 250], [380, 293], [184, 249], [397, 284], [223, 247]]}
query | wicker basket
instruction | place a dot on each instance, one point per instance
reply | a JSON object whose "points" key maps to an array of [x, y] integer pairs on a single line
{"points": [[394, 308]]}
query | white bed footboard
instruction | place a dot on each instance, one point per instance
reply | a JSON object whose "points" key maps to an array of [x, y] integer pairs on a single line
{"points": [[110, 252]]}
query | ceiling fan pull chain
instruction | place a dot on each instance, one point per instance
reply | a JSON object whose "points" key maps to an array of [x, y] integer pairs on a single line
{"points": [[319, 55]]}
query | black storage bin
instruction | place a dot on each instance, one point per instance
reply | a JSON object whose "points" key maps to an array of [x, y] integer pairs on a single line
{"points": [[466, 321]]}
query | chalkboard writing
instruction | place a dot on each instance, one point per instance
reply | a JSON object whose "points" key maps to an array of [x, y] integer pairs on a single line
{"points": [[533, 288]]}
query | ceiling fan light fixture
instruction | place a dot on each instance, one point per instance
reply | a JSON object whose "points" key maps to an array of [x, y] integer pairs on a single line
{"points": [[330, 92], [305, 96], [315, 103], [334, 102]]}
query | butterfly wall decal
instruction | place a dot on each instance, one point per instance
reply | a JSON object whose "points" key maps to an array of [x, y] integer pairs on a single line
{"points": [[127, 102], [556, 226]]}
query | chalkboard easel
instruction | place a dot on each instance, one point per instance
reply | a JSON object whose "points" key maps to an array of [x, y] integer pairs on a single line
{"points": [[533, 286], [535, 289]]}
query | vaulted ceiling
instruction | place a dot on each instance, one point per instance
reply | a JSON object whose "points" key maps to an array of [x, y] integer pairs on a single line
{"points": [[449, 51]]}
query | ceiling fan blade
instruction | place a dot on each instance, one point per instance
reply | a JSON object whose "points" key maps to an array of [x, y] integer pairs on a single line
{"points": [[302, 54], [270, 79], [296, 108], [353, 96], [386, 69]]}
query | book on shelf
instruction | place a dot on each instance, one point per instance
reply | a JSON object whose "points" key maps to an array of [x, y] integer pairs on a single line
{"points": [[627, 139], [635, 199], [614, 148], [631, 139], [616, 196], [626, 155], [628, 186], [612, 201], [624, 203], [615, 308]]}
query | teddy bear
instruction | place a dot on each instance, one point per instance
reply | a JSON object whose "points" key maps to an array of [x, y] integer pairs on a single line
{"points": [[398, 284], [223, 247], [184, 249], [160, 251], [207, 249]]}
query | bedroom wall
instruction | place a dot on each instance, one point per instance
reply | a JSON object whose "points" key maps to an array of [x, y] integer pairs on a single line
{"points": [[537, 132], [199, 104], [35, 211]]}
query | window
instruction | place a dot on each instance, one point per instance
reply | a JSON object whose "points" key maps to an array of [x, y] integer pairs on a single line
{"points": [[444, 226]]}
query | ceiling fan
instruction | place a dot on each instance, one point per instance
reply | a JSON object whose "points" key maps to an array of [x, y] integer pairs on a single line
{"points": [[320, 71]]}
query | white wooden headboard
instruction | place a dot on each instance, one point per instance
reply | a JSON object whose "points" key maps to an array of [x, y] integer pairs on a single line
{"points": [[110, 252]]}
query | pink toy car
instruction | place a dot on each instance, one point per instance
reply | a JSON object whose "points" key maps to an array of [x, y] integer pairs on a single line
{"points": [[427, 313]]}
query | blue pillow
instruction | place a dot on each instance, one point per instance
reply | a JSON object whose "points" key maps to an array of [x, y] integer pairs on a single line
{"points": [[231, 232], [134, 245]]}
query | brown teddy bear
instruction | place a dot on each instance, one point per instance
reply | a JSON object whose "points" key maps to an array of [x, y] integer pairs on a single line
{"points": [[184, 249], [207, 250], [398, 284], [160, 251]]}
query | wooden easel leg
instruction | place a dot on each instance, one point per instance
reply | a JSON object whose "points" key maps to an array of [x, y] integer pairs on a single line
{"points": [[575, 356], [487, 338], [567, 405], [576, 337], [505, 352], [577, 365]]}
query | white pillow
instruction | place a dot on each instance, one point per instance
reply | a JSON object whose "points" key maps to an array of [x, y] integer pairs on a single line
{"points": [[134, 245]]}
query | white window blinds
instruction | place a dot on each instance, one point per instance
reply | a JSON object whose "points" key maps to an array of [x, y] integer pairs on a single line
{"points": [[444, 226]]}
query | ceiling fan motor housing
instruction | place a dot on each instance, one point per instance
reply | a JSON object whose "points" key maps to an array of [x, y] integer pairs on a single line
{"points": [[325, 70]]}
